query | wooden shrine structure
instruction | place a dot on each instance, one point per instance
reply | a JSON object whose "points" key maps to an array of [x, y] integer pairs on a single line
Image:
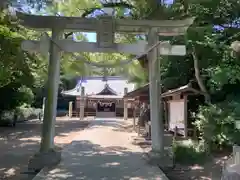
{"points": [[101, 98], [176, 106]]}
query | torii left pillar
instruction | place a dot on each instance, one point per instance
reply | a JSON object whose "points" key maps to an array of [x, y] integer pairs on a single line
{"points": [[125, 105], [43, 107], [48, 129], [48, 155], [70, 108]]}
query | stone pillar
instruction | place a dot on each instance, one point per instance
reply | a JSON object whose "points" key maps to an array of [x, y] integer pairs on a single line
{"points": [[157, 130], [82, 103], [125, 105], [48, 128], [134, 116], [185, 116], [70, 107], [43, 107]]}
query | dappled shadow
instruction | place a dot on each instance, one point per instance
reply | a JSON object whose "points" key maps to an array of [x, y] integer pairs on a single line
{"points": [[119, 124], [18, 144], [33, 128], [14, 157], [211, 170], [142, 142], [125, 128], [106, 122], [85, 160]]}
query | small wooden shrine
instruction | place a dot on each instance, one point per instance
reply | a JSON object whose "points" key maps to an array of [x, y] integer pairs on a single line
{"points": [[176, 104], [105, 103]]}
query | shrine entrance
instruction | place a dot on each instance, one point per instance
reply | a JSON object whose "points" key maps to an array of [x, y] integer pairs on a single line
{"points": [[105, 109], [105, 27]]}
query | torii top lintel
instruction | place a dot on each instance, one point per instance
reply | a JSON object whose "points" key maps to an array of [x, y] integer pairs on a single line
{"points": [[164, 27]]}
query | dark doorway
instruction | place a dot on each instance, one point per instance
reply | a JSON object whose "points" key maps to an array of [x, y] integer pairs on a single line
{"points": [[106, 107]]}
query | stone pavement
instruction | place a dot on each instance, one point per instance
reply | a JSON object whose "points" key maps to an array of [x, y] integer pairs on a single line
{"points": [[104, 151]]}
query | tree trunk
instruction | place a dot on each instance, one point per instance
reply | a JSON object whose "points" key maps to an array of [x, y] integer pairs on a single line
{"points": [[199, 78]]}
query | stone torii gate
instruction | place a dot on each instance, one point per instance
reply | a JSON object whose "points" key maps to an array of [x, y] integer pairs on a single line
{"points": [[105, 27]]}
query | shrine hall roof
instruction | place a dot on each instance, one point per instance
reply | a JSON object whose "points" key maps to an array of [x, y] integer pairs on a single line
{"points": [[96, 85], [145, 91]]}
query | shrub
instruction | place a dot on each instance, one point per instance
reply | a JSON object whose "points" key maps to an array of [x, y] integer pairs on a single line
{"points": [[22, 113], [19, 96], [7, 115], [216, 124], [189, 152], [28, 113]]}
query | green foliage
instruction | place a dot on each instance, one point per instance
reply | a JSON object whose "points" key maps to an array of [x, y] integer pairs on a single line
{"points": [[216, 123], [218, 69], [19, 70], [176, 72], [26, 113], [189, 152], [26, 94], [20, 113]]}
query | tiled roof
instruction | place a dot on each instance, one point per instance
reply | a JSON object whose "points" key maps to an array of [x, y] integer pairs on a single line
{"points": [[95, 85], [107, 91]]}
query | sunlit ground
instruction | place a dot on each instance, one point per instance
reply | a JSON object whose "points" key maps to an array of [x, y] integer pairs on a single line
{"points": [[18, 144]]}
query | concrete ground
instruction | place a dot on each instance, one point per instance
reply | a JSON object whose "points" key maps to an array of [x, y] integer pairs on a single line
{"points": [[103, 151], [18, 144]]}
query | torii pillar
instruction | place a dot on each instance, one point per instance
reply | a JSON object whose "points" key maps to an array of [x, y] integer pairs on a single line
{"points": [[82, 103], [125, 105], [155, 94], [48, 129], [48, 155], [70, 109]]}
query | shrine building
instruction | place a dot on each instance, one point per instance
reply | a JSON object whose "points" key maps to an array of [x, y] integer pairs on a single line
{"points": [[103, 97]]}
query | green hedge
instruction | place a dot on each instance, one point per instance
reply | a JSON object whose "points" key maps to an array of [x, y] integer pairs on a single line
{"points": [[28, 113], [189, 152], [23, 114], [216, 124]]}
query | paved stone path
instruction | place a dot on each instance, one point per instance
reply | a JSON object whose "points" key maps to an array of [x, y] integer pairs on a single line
{"points": [[104, 151], [18, 144]]}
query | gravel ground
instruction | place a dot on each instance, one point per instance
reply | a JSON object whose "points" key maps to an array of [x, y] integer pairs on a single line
{"points": [[18, 144]]}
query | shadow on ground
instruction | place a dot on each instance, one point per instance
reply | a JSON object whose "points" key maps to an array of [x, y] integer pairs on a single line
{"points": [[19, 143], [93, 162], [211, 170], [116, 125]]}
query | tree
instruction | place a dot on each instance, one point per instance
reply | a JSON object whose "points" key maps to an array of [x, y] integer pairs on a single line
{"points": [[70, 66], [209, 60], [19, 70]]}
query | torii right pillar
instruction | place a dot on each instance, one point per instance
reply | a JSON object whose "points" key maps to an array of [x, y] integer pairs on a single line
{"points": [[82, 103], [157, 130]]}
